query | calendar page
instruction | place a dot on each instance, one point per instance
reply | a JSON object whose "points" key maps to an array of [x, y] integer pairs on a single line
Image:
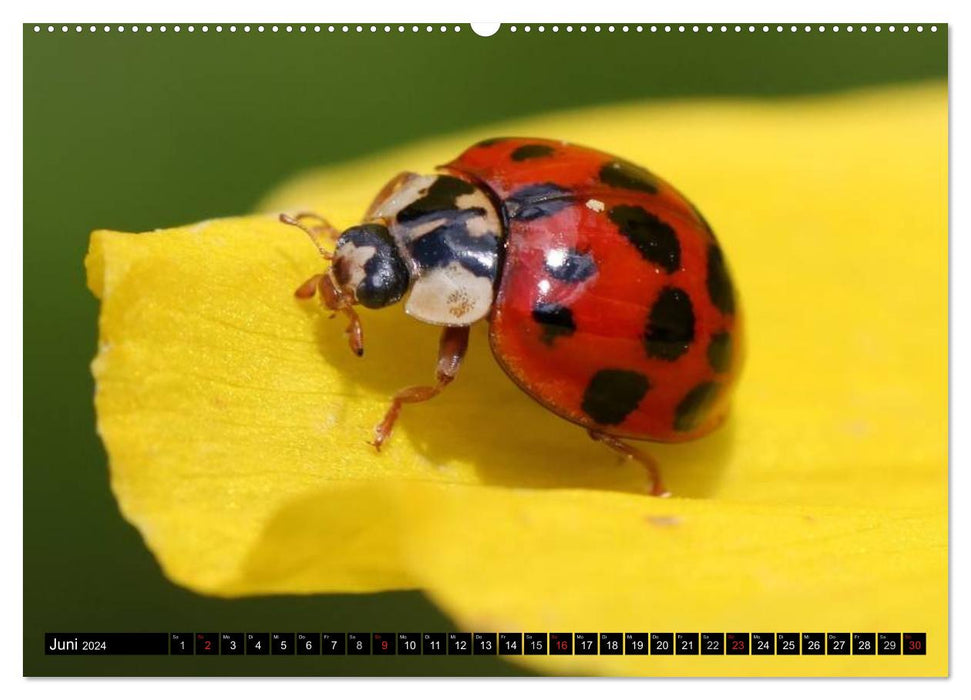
{"points": [[587, 349]]}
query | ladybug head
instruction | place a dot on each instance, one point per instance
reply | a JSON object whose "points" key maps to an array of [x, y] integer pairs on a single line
{"points": [[368, 266]]}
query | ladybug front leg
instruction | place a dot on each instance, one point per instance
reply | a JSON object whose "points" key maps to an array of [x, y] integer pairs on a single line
{"points": [[657, 488], [308, 288], [451, 350], [394, 184]]}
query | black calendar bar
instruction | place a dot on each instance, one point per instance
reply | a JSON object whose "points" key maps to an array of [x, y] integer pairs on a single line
{"points": [[722, 644]]}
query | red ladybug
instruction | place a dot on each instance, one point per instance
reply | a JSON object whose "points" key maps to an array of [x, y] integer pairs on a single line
{"points": [[608, 297]]}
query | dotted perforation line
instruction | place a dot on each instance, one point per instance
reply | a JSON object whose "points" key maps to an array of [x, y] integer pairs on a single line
{"points": [[723, 28], [443, 28], [250, 28]]}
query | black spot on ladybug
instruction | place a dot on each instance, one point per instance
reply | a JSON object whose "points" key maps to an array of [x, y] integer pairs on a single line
{"points": [[441, 196], [570, 265], [626, 175], [531, 150], [720, 351], [491, 142], [536, 201], [670, 325], [719, 283], [613, 394], [555, 320], [655, 240], [693, 407]]}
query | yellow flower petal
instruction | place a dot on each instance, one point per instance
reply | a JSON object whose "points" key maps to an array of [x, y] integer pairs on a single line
{"points": [[235, 417]]}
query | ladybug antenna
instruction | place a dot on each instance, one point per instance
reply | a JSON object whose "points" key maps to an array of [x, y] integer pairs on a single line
{"points": [[314, 232]]}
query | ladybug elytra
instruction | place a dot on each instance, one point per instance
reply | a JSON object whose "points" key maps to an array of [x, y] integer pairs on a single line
{"points": [[608, 297]]}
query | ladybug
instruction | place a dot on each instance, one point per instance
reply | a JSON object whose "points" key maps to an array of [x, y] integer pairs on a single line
{"points": [[608, 297]]}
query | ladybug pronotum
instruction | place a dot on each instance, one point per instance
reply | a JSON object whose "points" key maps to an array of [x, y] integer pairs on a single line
{"points": [[608, 298]]}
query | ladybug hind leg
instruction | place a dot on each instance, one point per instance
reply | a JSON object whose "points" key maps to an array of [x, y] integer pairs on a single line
{"points": [[618, 445], [451, 349]]}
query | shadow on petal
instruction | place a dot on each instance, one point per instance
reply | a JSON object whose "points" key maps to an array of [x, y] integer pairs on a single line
{"points": [[485, 420], [339, 537]]}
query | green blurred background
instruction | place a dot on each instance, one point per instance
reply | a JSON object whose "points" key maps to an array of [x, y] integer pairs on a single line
{"points": [[142, 130]]}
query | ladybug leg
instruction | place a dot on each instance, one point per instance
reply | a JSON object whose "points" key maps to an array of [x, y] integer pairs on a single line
{"points": [[334, 299], [355, 335], [451, 350], [618, 445], [389, 189], [308, 288]]}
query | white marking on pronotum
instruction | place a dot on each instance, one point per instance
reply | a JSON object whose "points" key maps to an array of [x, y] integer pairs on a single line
{"points": [[450, 296], [413, 188], [412, 232], [595, 205], [485, 225]]}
